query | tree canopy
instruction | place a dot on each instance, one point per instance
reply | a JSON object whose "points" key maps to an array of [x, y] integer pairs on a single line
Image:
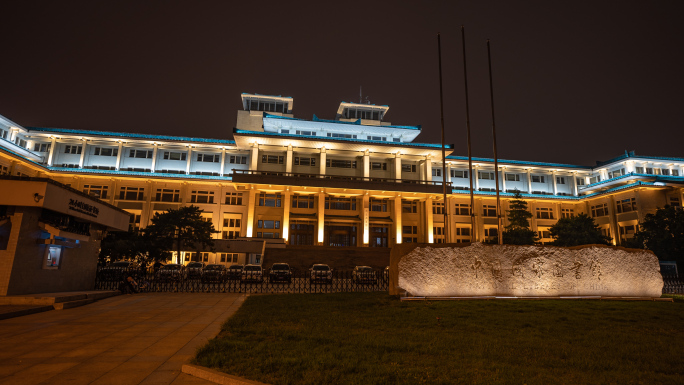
{"points": [[131, 245], [518, 231], [579, 230], [663, 233], [180, 229]]}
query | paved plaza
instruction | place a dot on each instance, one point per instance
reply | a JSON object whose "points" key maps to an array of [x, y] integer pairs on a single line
{"points": [[128, 339]]}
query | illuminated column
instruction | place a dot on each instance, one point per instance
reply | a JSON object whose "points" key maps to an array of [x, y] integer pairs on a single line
{"points": [[529, 181], [254, 157], [477, 178], [287, 195], [366, 164], [503, 180], [223, 161], [533, 219], [13, 134], [154, 157], [288, 159], [321, 168], [321, 215], [574, 184], [428, 220], [366, 219], [555, 186], [251, 204], [447, 177], [614, 230], [427, 169], [118, 156], [397, 218], [397, 166], [51, 156], [83, 152], [189, 160]]}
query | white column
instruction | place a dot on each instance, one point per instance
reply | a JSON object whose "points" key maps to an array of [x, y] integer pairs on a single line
{"points": [[555, 186], [51, 156], [529, 181], [574, 184], [286, 215], [366, 219], [223, 161], [428, 221], [189, 160], [254, 157], [397, 219], [251, 204], [321, 217], [447, 178], [154, 157], [503, 180], [321, 169], [83, 153], [427, 170], [13, 134], [477, 178], [288, 159], [397, 166], [366, 164], [118, 156]]}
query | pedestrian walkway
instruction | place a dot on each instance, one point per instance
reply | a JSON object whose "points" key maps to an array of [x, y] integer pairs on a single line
{"points": [[128, 339]]}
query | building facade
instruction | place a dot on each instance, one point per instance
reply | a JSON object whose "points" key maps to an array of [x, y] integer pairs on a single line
{"points": [[356, 180]]}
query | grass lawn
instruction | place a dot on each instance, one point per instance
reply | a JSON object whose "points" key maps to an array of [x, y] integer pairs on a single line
{"points": [[372, 338]]}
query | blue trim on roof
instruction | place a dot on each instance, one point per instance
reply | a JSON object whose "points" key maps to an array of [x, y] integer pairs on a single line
{"points": [[356, 122], [631, 154], [272, 96], [522, 162], [400, 144], [563, 197], [138, 173], [131, 135], [658, 178], [365, 104]]}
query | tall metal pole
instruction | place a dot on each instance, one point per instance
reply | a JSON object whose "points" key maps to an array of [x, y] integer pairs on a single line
{"points": [[441, 111], [470, 158], [496, 159]]}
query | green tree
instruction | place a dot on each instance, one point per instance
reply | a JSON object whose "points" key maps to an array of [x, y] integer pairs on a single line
{"points": [[130, 245], [579, 230], [663, 233], [180, 229], [518, 231]]}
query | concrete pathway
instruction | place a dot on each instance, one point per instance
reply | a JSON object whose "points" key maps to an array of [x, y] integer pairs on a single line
{"points": [[128, 339]]}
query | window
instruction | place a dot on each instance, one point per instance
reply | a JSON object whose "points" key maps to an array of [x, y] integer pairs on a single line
{"points": [[237, 159], [379, 205], [4, 170], [463, 232], [269, 200], [675, 172], [340, 203], [409, 206], [600, 210], [231, 226], [560, 180], [627, 231], [594, 179], [616, 173], [396, 140], [378, 138], [345, 136], [436, 172], [664, 171], [339, 163], [234, 198], [438, 208], [41, 147], [167, 195], [639, 170], [649, 170], [273, 159], [491, 232], [438, 234], [538, 179], [513, 177], [131, 193], [141, 154], [304, 161], [96, 191], [211, 158], [73, 149], [229, 257], [544, 233], [4, 134], [351, 113], [459, 174], [378, 166], [199, 196], [580, 181], [544, 213], [268, 224], [675, 202], [106, 151], [567, 213], [21, 142], [409, 234], [303, 202], [306, 133], [626, 205], [408, 167], [174, 155], [485, 175], [267, 106], [134, 222], [488, 211], [462, 209]]}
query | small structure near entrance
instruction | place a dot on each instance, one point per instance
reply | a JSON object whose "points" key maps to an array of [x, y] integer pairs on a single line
{"points": [[524, 271]]}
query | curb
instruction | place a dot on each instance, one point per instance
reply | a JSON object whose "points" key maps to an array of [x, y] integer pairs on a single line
{"points": [[23, 312], [216, 377]]}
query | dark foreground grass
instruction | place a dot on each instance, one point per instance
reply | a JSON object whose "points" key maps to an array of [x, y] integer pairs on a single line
{"points": [[371, 338]]}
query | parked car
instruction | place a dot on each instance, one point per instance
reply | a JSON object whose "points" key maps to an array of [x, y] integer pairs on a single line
{"points": [[363, 275], [195, 270], [235, 272], [320, 273], [173, 272], [214, 273], [116, 271], [252, 273], [280, 272]]}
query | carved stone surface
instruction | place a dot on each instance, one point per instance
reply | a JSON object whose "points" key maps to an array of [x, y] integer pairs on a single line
{"points": [[508, 270]]}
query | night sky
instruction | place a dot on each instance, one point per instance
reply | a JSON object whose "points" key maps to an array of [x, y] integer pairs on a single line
{"points": [[574, 82]]}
